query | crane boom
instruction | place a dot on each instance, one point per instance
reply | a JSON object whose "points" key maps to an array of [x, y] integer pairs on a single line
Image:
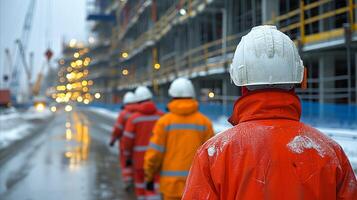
{"points": [[19, 53]]}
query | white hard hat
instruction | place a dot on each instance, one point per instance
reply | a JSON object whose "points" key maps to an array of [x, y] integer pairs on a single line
{"points": [[129, 97], [143, 93], [266, 56], [182, 88]]}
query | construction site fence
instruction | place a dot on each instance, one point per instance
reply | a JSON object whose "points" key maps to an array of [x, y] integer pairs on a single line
{"points": [[313, 113]]}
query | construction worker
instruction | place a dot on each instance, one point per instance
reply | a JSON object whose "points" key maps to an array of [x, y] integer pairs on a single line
{"points": [[129, 107], [176, 138], [269, 153], [138, 130]]}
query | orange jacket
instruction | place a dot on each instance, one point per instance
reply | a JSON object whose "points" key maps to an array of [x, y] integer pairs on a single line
{"points": [[138, 130], [176, 138], [269, 154], [119, 125]]}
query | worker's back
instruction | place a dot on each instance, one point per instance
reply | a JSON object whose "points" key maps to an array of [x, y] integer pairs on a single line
{"points": [[269, 154], [177, 136]]}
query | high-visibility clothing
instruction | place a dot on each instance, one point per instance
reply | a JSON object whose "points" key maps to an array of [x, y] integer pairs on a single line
{"points": [[138, 131], [140, 187], [119, 125], [269, 154], [129, 109], [176, 137]]}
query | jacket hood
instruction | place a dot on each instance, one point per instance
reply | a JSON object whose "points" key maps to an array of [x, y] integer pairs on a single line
{"points": [[131, 107], [266, 104], [147, 108], [183, 106]]}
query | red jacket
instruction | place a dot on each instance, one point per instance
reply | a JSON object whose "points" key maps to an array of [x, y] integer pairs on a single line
{"points": [[138, 131], [119, 125], [269, 154]]}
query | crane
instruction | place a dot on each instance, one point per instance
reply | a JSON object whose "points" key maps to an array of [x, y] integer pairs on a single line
{"points": [[22, 43]]}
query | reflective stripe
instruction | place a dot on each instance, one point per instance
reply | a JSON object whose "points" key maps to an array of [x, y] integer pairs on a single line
{"points": [[174, 173], [140, 148], [127, 170], [128, 134], [153, 197], [140, 185], [157, 147], [194, 127], [146, 118]]}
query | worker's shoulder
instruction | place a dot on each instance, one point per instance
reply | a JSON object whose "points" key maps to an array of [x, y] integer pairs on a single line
{"points": [[323, 139]]}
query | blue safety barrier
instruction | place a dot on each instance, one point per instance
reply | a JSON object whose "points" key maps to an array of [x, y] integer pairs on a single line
{"points": [[313, 113]]}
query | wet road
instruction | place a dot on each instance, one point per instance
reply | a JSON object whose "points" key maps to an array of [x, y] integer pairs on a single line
{"points": [[69, 160]]}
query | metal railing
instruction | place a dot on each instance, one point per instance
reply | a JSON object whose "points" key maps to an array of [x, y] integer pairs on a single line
{"points": [[211, 55]]}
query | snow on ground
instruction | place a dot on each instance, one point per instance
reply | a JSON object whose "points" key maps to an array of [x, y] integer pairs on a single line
{"points": [[105, 112], [16, 125]]}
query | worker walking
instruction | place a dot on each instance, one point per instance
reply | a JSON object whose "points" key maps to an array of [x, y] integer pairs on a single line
{"points": [[176, 138], [129, 107], [269, 153], [138, 131]]}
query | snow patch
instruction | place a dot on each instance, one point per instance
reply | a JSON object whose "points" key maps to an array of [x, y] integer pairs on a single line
{"points": [[300, 143], [105, 112], [211, 151]]}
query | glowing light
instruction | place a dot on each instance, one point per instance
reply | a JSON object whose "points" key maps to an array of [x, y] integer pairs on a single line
{"points": [[68, 108], [211, 94], [73, 64], [124, 55], [86, 101], [84, 83], [40, 107], [90, 82], [97, 95], [79, 62], [72, 43], [69, 86], [85, 89], [183, 12], [85, 72], [68, 134], [68, 154], [53, 108], [157, 66], [76, 55], [125, 72], [69, 69], [61, 88], [79, 99], [68, 125]]}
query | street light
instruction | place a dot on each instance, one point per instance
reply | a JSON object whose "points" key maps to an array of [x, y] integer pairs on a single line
{"points": [[125, 72]]}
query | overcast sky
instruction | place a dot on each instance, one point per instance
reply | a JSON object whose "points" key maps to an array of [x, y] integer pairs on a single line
{"points": [[53, 22]]}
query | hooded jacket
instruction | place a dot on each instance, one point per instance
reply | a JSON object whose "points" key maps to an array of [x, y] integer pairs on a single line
{"points": [[138, 130], [119, 125], [269, 154], [176, 138]]}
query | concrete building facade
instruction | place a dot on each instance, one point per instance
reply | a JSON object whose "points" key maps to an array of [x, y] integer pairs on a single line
{"points": [[153, 41]]}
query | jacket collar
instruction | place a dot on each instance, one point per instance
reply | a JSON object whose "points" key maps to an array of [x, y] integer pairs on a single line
{"points": [[183, 106], [131, 107], [266, 104], [147, 107]]}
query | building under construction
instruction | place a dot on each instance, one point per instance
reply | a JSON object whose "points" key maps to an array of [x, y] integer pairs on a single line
{"points": [[152, 42]]}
